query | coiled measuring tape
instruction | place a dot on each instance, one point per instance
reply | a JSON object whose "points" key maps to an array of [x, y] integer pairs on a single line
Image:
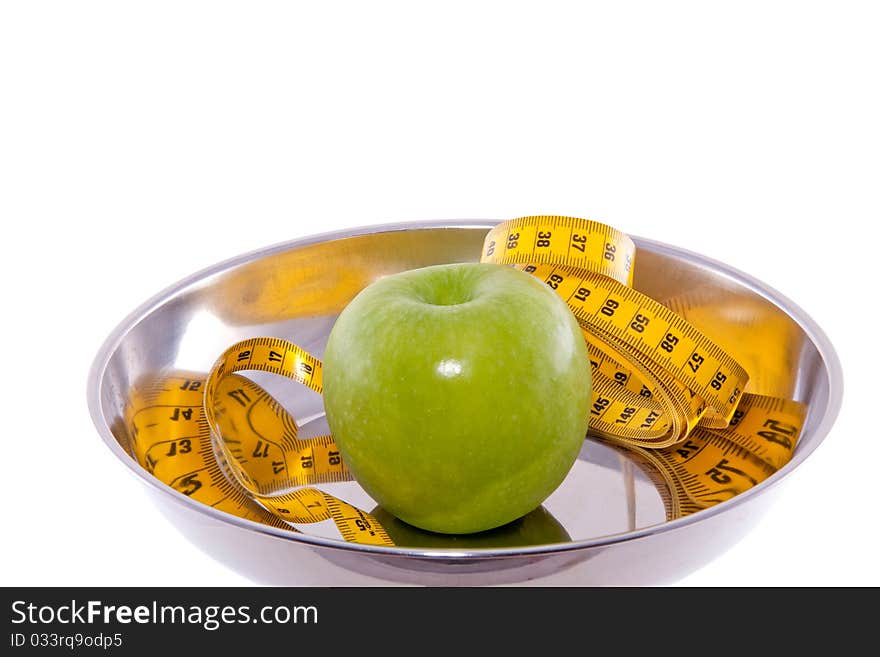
{"points": [[663, 391]]}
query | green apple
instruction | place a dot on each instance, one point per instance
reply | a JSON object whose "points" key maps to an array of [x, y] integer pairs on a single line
{"points": [[537, 527], [458, 394]]}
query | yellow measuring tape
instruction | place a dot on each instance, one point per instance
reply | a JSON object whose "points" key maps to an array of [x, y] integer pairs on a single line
{"points": [[663, 391]]}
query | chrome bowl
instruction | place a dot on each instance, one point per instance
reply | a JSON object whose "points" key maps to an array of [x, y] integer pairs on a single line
{"points": [[609, 509]]}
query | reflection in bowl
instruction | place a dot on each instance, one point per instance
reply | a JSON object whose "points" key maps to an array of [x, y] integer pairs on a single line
{"points": [[538, 527]]}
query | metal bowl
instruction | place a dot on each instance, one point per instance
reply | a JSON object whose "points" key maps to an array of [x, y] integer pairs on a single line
{"points": [[610, 511]]}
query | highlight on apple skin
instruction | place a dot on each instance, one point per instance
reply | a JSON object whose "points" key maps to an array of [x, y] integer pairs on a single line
{"points": [[458, 394]]}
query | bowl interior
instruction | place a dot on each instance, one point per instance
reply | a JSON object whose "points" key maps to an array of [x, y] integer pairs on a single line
{"points": [[295, 292]]}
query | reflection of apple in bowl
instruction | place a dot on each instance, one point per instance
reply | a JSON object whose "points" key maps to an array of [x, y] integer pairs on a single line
{"points": [[538, 527], [458, 394]]}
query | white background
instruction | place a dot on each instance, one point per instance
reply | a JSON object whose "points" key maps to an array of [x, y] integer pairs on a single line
{"points": [[140, 142]]}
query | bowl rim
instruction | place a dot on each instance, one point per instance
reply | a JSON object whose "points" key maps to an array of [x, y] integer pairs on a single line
{"points": [[811, 329]]}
